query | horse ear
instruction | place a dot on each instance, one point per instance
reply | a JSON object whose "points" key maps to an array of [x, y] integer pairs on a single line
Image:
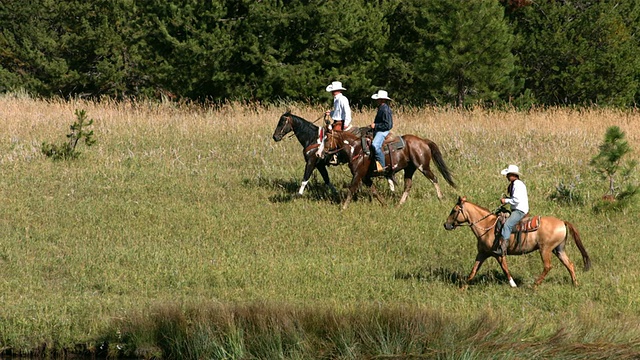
{"points": [[462, 199]]}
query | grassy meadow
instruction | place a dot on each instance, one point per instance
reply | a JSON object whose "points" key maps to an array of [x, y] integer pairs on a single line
{"points": [[177, 235]]}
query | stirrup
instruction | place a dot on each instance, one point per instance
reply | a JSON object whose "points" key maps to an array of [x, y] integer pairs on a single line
{"points": [[379, 167], [501, 248]]}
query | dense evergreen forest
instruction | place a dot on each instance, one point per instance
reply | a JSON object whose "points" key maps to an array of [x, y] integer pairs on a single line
{"points": [[453, 52]]}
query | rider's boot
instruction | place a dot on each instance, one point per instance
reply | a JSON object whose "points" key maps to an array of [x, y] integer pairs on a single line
{"points": [[501, 247]]}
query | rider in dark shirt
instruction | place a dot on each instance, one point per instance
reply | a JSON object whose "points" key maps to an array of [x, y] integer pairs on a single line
{"points": [[381, 126]]}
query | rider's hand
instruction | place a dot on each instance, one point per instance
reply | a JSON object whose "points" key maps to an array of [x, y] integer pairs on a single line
{"points": [[502, 201], [373, 125]]}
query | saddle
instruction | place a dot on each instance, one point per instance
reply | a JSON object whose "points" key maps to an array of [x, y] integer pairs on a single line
{"points": [[391, 143], [527, 224]]}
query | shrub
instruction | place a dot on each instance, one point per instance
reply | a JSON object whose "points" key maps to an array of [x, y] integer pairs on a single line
{"points": [[78, 132], [568, 194]]}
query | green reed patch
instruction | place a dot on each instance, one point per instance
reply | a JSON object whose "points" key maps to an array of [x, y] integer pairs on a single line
{"points": [[269, 331]]}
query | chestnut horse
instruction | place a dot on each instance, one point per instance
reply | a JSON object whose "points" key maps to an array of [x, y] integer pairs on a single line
{"points": [[307, 134], [415, 155], [551, 237]]}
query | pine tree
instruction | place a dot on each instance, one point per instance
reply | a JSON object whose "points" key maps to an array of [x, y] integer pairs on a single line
{"points": [[457, 52], [579, 52], [609, 162]]}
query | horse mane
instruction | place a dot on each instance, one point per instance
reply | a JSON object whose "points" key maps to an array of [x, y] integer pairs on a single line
{"points": [[306, 128], [348, 135], [478, 206]]}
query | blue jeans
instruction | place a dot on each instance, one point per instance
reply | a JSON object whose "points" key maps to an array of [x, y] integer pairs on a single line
{"points": [[378, 139], [516, 216]]}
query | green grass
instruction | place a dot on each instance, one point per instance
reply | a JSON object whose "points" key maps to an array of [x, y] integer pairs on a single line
{"points": [[177, 235]]}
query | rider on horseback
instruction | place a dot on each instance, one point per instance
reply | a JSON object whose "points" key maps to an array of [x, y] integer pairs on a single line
{"points": [[341, 113], [381, 126], [519, 200]]}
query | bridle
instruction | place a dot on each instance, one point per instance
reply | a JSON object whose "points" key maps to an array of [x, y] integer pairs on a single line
{"points": [[469, 223], [287, 127]]}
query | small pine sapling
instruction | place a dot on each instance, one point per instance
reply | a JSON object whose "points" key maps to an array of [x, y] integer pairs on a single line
{"points": [[78, 132], [609, 162]]}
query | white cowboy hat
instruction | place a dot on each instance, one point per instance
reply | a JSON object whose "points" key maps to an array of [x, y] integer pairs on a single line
{"points": [[511, 169], [381, 94], [335, 86]]}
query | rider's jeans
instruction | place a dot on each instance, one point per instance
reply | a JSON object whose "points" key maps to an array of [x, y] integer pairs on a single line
{"points": [[378, 139], [512, 220]]}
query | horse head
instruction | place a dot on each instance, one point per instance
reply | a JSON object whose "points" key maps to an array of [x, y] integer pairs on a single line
{"points": [[457, 215], [285, 126]]}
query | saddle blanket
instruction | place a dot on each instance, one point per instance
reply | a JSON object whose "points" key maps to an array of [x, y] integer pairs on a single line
{"points": [[528, 224]]}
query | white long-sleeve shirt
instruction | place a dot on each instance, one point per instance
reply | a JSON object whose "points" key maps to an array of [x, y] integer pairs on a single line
{"points": [[341, 110], [518, 199]]}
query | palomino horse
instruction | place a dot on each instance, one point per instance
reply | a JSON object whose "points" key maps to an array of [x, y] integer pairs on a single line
{"points": [[415, 155], [551, 237], [307, 134]]}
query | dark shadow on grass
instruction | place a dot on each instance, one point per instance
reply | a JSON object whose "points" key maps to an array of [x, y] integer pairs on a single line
{"points": [[286, 190], [429, 274], [448, 276]]}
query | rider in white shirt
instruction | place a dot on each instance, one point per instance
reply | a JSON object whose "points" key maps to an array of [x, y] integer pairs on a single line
{"points": [[341, 113], [518, 198]]}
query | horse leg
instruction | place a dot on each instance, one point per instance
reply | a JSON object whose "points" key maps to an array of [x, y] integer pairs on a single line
{"points": [[392, 185], [546, 261], [325, 176], [480, 258], [355, 183], [374, 191], [426, 171], [502, 260], [407, 186], [408, 182], [308, 169], [564, 259]]}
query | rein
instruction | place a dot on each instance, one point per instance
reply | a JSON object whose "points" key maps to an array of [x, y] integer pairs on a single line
{"points": [[479, 220], [293, 133]]}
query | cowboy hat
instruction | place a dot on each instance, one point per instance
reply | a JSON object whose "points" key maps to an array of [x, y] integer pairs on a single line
{"points": [[381, 94], [511, 169], [335, 86]]}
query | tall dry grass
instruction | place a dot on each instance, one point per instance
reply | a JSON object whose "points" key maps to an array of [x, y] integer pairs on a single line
{"points": [[177, 235]]}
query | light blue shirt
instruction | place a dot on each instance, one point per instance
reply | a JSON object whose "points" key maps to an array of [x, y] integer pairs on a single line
{"points": [[341, 110], [519, 200]]}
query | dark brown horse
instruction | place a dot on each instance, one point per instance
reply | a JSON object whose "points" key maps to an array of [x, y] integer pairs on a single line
{"points": [[307, 134], [415, 155], [551, 237]]}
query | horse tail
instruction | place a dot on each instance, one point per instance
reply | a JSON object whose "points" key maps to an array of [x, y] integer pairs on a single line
{"points": [[440, 164], [576, 239]]}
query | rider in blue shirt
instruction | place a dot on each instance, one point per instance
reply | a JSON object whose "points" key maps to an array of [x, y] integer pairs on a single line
{"points": [[381, 126]]}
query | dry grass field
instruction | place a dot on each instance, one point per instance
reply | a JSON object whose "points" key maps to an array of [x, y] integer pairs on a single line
{"points": [[177, 235]]}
